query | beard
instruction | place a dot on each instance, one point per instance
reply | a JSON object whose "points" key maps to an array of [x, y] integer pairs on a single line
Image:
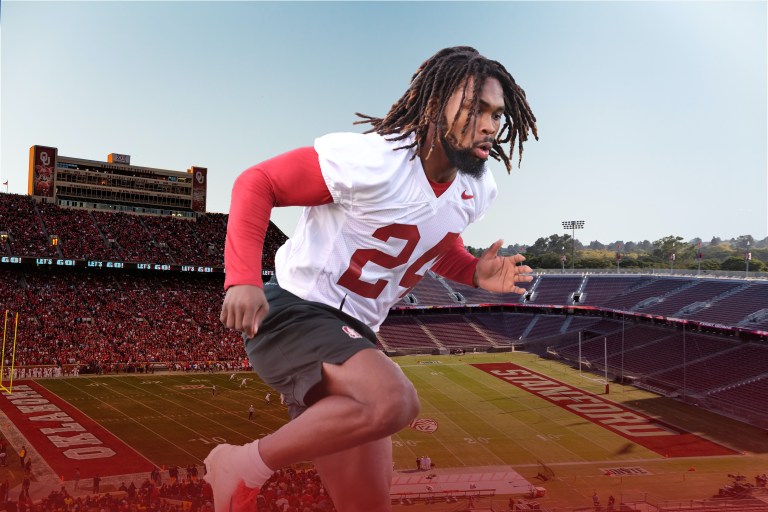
{"points": [[463, 159]]}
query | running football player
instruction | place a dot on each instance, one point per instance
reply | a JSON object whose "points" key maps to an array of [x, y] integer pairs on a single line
{"points": [[382, 208]]}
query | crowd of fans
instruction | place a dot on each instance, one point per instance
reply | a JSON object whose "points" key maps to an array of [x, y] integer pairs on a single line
{"points": [[288, 490], [98, 321], [78, 236], [104, 321], [20, 219], [117, 236]]}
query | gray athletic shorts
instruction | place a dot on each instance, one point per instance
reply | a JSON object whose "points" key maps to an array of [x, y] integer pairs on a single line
{"points": [[294, 340]]}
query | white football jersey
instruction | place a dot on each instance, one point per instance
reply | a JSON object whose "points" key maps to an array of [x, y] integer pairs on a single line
{"points": [[383, 231]]}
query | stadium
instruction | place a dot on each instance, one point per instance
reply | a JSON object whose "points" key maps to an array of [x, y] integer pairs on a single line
{"points": [[595, 390]]}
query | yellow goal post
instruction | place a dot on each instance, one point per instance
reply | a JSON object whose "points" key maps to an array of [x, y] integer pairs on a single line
{"points": [[12, 348]]}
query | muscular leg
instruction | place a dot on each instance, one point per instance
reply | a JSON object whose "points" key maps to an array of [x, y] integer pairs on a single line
{"points": [[367, 398], [359, 478]]}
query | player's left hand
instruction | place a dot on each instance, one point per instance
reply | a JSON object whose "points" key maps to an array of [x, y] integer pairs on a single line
{"points": [[501, 273]]}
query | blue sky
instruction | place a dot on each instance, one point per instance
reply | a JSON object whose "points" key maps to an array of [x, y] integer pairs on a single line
{"points": [[652, 115]]}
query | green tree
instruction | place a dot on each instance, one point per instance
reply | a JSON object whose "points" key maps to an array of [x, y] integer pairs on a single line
{"points": [[743, 242], [718, 252], [593, 262], [548, 260], [706, 264], [554, 244], [668, 245], [595, 244], [733, 263]]}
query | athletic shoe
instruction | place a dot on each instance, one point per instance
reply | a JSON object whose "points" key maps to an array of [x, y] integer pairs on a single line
{"points": [[244, 498], [230, 494]]}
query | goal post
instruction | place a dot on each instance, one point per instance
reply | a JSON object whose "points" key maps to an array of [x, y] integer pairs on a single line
{"points": [[10, 342]]}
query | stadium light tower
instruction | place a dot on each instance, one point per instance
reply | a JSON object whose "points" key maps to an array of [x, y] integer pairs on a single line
{"points": [[573, 225]]}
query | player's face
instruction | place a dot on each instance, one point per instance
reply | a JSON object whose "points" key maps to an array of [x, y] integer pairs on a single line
{"points": [[469, 151]]}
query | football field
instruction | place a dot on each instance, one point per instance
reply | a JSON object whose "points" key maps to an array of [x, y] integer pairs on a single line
{"points": [[480, 413]]}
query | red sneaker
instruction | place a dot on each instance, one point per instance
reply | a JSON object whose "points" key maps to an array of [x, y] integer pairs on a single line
{"points": [[230, 494], [244, 498]]}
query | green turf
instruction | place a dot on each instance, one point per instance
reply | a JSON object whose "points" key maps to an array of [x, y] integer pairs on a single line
{"points": [[482, 421]]}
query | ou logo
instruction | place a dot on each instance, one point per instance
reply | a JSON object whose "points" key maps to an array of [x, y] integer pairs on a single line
{"points": [[199, 177]]}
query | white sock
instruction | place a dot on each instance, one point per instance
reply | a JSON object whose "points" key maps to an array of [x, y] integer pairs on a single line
{"points": [[249, 464]]}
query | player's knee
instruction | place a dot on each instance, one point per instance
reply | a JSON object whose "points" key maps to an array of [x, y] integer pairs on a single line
{"points": [[396, 408]]}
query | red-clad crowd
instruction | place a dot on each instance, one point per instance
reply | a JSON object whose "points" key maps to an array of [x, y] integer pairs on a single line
{"points": [[97, 320], [107, 321], [288, 490], [20, 219], [117, 236]]}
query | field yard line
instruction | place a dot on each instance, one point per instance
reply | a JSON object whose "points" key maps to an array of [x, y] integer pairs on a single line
{"points": [[457, 425], [494, 427], [405, 445], [516, 401], [174, 403], [554, 409], [438, 439], [66, 381], [238, 391], [209, 405]]}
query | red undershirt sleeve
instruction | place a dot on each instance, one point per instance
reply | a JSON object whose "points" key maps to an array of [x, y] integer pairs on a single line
{"points": [[291, 179], [457, 264]]}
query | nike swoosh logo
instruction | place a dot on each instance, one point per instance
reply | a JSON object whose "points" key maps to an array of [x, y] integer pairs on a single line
{"points": [[464, 195]]}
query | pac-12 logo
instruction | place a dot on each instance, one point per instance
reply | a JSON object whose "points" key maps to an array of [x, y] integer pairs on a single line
{"points": [[427, 425]]}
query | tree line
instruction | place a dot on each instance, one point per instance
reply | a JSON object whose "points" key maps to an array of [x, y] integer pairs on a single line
{"points": [[562, 251]]}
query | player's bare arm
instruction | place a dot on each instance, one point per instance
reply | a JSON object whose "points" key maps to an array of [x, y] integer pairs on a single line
{"points": [[497, 273]]}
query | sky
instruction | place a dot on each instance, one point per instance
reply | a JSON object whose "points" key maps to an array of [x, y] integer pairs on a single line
{"points": [[652, 115]]}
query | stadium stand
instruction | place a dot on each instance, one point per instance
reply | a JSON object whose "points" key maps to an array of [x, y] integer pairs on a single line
{"points": [[704, 291], [458, 332], [26, 235], [635, 296], [475, 296], [78, 236], [743, 397], [432, 291], [504, 328], [598, 289], [405, 333], [735, 308], [723, 368], [555, 289], [544, 326]]}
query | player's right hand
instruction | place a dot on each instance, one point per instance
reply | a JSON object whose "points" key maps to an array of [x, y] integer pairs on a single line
{"points": [[244, 307]]}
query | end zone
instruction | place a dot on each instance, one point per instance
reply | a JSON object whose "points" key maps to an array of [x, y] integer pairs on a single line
{"points": [[65, 437], [648, 432]]}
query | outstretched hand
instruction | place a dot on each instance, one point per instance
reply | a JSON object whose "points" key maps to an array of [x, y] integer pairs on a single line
{"points": [[244, 307], [501, 273]]}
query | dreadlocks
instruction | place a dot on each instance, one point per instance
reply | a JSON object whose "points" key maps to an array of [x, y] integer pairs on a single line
{"points": [[431, 87]]}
